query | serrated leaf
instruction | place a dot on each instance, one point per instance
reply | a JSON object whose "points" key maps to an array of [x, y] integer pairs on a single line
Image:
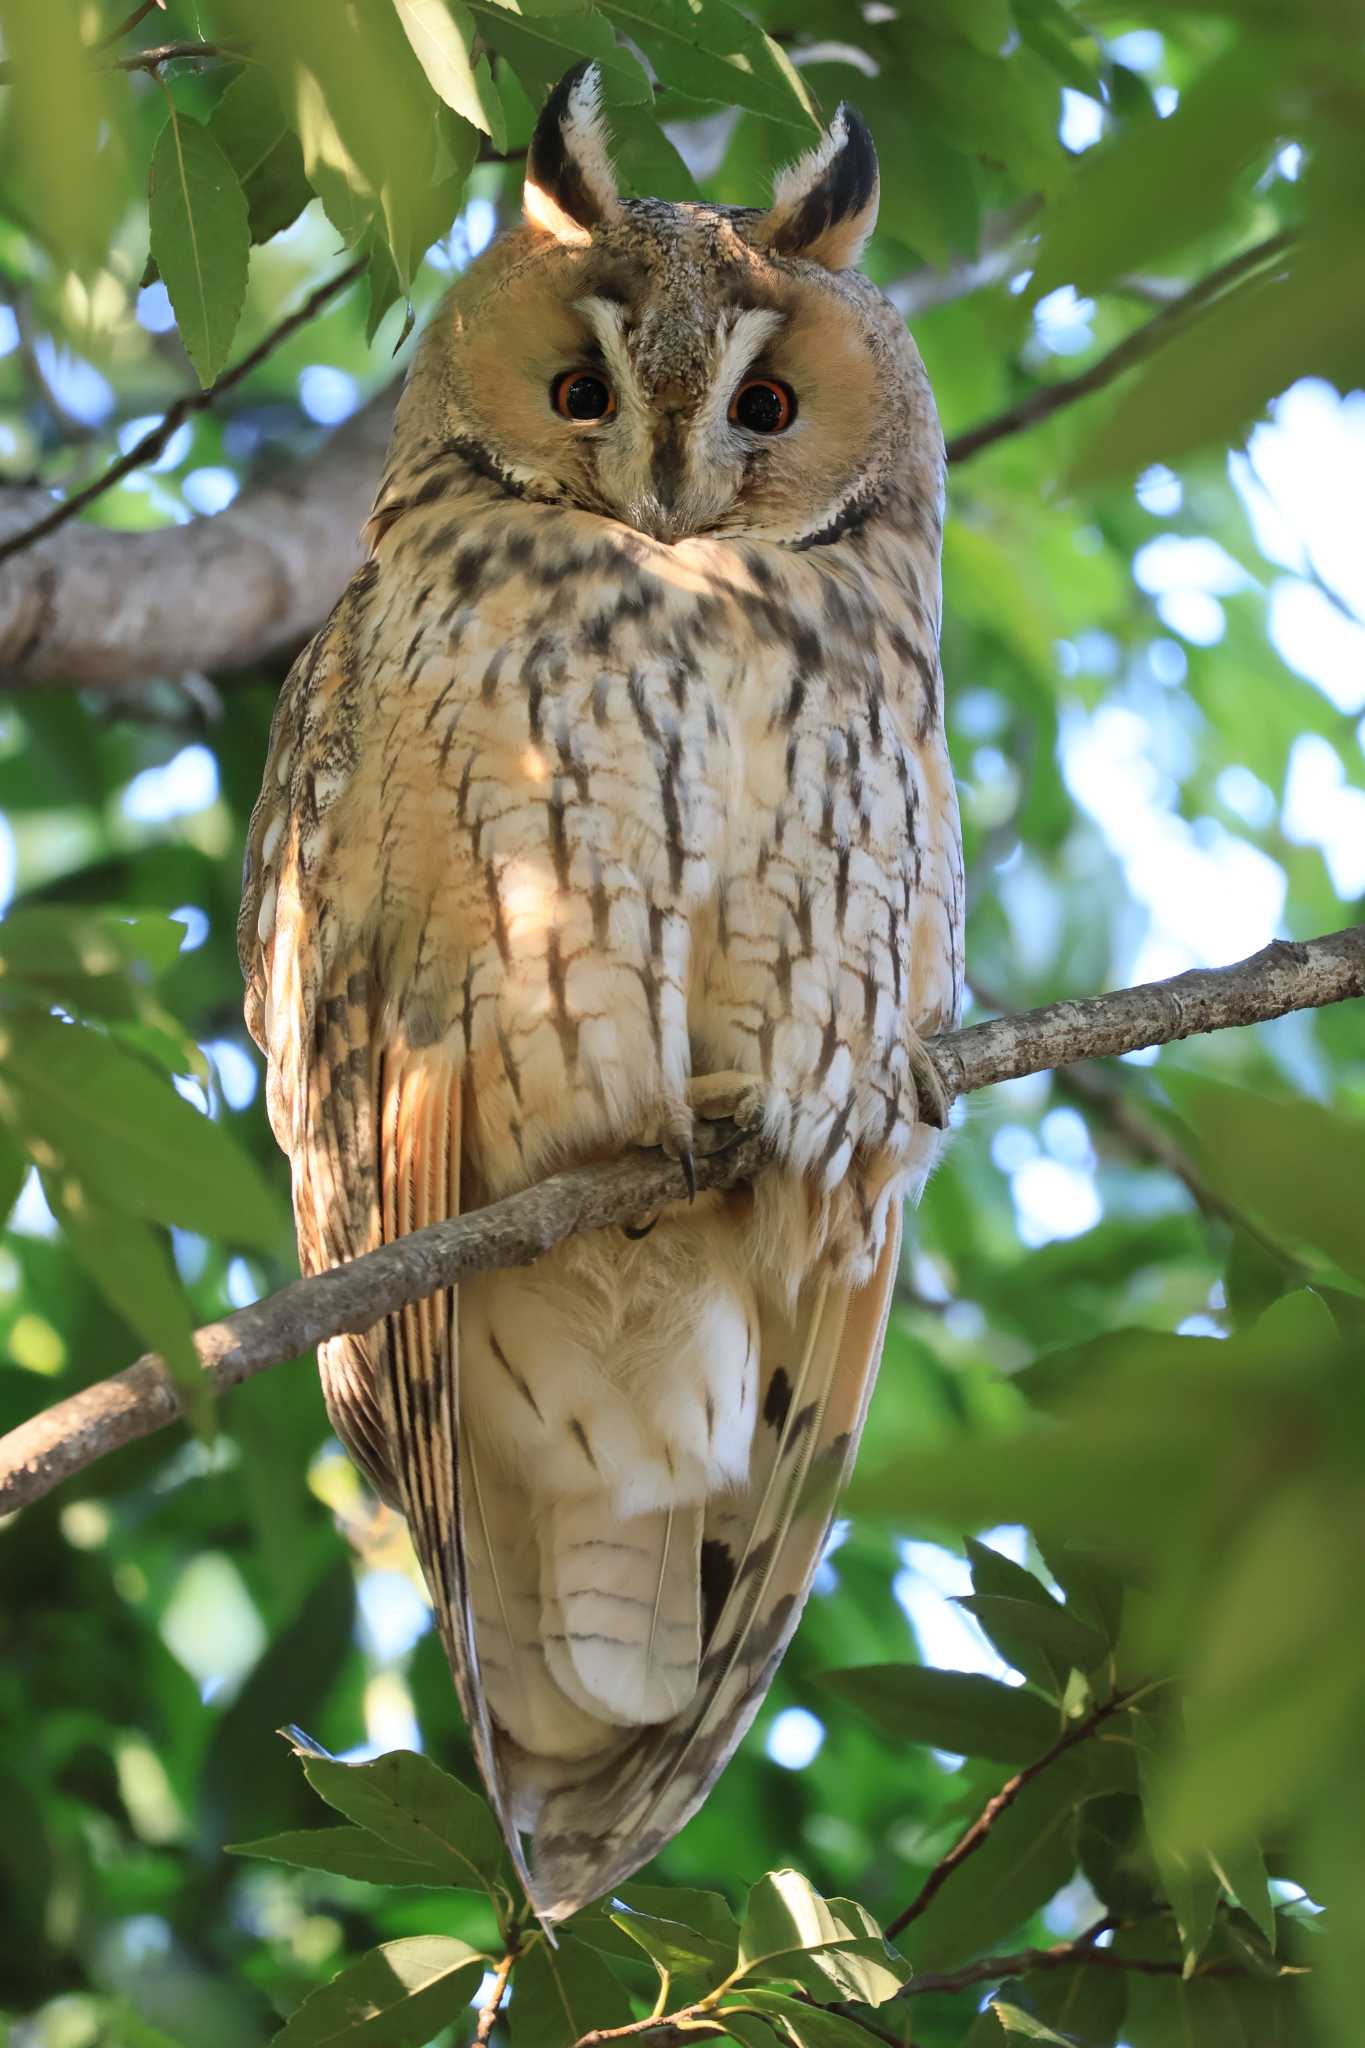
{"points": [[789, 1931], [561, 1993], [1187, 1878], [250, 127], [132, 1268], [442, 39], [398, 1996], [952, 1710], [112, 1123], [541, 47], [1241, 1871], [419, 1809], [709, 50], [200, 239], [344, 1852]]}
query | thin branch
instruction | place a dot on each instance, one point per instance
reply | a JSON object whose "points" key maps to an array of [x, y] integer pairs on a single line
{"points": [[155, 439], [689, 2023], [126, 26], [1145, 341], [65, 1439], [488, 2011], [1065, 1955], [978, 1834]]}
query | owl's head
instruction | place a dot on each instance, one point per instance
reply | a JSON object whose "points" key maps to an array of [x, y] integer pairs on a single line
{"points": [[684, 369]]}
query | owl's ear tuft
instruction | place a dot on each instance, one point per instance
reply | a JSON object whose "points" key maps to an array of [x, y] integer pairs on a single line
{"points": [[570, 187], [825, 205]]}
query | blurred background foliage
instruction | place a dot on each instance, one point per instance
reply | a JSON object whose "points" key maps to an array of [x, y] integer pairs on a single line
{"points": [[1127, 1348]]}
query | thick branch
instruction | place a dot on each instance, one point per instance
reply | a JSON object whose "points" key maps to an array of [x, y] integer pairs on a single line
{"points": [[93, 607], [40, 1453]]}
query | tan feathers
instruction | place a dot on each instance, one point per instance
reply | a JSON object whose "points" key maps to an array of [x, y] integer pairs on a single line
{"points": [[618, 770]]}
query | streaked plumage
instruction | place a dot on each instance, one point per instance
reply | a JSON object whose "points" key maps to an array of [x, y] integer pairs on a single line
{"points": [[616, 782]]}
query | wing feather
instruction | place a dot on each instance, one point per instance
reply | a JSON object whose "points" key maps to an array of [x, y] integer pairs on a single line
{"points": [[593, 1834]]}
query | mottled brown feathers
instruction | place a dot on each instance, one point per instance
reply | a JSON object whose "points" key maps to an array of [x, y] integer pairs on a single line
{"points": [[613, 795]]}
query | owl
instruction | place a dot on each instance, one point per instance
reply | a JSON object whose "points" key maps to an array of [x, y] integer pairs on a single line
{"points": [[613, 799]]}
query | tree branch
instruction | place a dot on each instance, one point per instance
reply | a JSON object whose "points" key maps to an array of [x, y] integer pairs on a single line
{"points": [[65, 1439], [156, 438], [1134, 348], [109, 608], [978, 1834]]}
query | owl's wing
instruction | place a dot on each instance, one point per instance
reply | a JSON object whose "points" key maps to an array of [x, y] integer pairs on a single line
{"points": [[761, 1548], [373, 1128]]}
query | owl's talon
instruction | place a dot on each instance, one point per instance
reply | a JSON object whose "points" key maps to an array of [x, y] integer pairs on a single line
{"points": [[635, 1231], [933, 1104], [689, 1167]]}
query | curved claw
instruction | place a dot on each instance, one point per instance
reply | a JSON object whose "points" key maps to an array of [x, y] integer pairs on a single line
{"points": [[689, 1167], [635, 1231]]}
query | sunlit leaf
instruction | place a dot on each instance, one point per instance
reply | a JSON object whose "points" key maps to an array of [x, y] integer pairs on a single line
{"points": [[397, 1996], [417, 1808], [250, 128]]}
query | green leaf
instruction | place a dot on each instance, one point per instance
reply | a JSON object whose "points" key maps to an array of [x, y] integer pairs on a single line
{"points": [[418, 1809], [442, 39], [250, 127], [709, 50], [790, 1931], [132, 1268], [1112, 1850], [1241, 1871], [200, 239], [952, 1710], [1027, 1856], [1186, 1876], [806, 2026], [541, 47], [398, 1996], [345, 1852], [1253, 1145], [706, 1913], [1085, 2004], [110, 1122], [13, 1172], [1050, 1639], [91, 942], [1156, 185], [1016, 2021], [748, 2029], [64, 133], [563, 1992], [675, 1946]]}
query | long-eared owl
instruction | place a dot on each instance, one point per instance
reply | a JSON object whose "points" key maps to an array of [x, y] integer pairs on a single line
{"points": [[614, 795]]}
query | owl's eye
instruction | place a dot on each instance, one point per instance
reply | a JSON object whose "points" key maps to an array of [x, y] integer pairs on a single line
{"points": [[581, 395], [763, 406]]}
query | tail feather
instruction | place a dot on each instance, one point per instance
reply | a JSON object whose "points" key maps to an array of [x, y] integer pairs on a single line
{"points": [[623, 1621]]}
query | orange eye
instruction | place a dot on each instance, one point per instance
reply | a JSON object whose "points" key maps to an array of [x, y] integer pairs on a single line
{"points": [[582, 396], [763, 406]]}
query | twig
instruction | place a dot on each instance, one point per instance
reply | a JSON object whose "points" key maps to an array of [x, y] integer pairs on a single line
{"points": [[977, 1835], [173, 53], [155, 439], [689, 2023], [488, 2011], [1050, 398], [1066, 1955], [126, 26], [39, 1454]]}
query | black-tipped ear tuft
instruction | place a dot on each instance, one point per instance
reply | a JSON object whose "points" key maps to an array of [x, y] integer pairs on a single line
{"points": [[825, 206], [570, 189]]}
